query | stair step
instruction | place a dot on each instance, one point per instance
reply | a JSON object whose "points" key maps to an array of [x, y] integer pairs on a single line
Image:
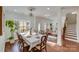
{"points": [[72, 28], [75, 38], [70, 35], [70, 31]]}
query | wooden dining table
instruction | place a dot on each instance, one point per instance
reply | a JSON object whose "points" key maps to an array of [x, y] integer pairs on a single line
{"points": [[31, 40]]}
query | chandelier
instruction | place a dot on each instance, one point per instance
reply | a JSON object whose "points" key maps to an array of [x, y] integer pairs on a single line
{"points": [[31, 9]]}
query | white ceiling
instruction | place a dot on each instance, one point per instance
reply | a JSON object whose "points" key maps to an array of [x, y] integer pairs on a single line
{"points": [[39, 10], [46, 11]]}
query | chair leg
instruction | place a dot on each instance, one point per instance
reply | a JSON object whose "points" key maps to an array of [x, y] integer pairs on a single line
{"points": [[46, 49]]}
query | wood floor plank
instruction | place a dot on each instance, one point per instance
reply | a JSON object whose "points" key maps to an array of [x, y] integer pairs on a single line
{"points": [[69, 46]]}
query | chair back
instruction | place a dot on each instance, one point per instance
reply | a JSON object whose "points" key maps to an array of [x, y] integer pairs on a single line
{"points": [[20, 41], [20, 37], [43, 42]]}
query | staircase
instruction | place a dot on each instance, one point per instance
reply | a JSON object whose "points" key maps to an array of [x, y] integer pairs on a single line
{"points": [[70, 33]]}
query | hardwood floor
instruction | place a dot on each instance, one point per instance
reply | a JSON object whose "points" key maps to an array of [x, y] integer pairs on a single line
{"points": [[69, 46], [8, 47]]}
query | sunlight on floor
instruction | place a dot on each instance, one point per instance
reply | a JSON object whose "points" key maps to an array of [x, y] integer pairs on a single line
{"points": [[51, 43]]}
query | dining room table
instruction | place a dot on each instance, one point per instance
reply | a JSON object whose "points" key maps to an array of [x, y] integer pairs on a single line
{"points": [[32, 40]]}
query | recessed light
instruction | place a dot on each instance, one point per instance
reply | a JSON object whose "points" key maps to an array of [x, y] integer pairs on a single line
{"points": [[48, 8], [74, 12]]}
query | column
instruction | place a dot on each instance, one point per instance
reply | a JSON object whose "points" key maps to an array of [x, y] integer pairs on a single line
{"points": [[59, 28], [38, 27], [34, 22], [77, 25]]}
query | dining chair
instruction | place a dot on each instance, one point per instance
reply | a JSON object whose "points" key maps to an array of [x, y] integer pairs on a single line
{"points": [[42, 46], [24, 47]]}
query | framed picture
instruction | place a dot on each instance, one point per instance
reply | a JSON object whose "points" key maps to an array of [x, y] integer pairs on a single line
{"points": [[0, 20]]}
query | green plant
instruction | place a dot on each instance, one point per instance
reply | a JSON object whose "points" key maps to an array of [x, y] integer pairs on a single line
{"points": [[10, 38], [10, 24]]}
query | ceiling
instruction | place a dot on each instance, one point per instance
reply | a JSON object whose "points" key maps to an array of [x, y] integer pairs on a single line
{"points": [[46, 11], [39, 11]]}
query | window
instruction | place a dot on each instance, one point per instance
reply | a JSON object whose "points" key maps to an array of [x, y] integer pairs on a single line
{"points": [[22, 26]]}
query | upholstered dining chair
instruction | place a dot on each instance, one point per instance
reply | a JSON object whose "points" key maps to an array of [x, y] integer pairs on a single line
{"points": [[42, 46]]}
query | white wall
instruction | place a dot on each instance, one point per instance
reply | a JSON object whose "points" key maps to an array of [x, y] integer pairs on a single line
{"points": [[2, 43], [77, 25], [59, 26]]}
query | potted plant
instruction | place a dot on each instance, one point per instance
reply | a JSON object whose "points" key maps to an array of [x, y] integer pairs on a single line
{"points": [[10, 24]]}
